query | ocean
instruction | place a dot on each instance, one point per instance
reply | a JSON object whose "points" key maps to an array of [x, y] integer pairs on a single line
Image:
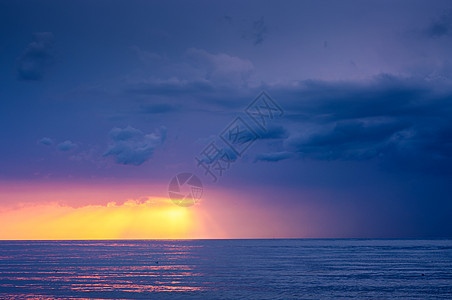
{"points": [[227, 269]]}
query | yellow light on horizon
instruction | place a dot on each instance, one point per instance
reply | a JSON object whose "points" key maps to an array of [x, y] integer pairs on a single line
{"points": [[156, 218]]}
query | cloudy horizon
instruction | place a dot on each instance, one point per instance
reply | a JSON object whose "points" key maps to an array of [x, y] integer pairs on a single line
{"points": [[109, 101]]}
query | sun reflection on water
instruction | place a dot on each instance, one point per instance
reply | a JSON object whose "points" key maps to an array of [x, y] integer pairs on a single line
{"points": [[85, 267]]}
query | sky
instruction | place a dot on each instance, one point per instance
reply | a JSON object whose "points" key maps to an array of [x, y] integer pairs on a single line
{"points": [[302, 119]]}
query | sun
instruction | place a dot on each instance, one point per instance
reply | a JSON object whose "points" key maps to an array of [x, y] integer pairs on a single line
{"points": [[155, 218]]}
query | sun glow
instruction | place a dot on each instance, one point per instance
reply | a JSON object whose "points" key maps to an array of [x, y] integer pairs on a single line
{"points": [[54, 211], [153, 218]]}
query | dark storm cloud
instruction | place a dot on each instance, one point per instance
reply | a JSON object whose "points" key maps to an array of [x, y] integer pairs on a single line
{"points": [[36, 57], [404, 122], [347, 140], [386, 96], [131, 146]]}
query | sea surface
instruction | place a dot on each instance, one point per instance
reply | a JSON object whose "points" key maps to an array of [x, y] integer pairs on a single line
{"points": [[226, 269]]}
